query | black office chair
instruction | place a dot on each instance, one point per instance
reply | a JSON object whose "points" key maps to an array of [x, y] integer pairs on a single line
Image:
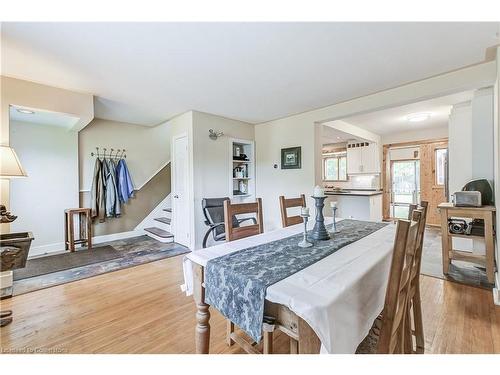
{"points": [[213, 210]]}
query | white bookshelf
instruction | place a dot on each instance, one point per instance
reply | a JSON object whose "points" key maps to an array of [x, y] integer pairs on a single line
{"points": [[242, 186]]}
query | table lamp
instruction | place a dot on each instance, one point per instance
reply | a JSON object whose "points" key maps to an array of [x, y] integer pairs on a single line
{"points": [[10, 167]]}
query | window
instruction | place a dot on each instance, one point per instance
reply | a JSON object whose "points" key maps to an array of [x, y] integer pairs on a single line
{"points": [[335, 167], [440, 158]]}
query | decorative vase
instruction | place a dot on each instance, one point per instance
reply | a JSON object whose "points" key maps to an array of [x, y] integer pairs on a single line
{"points": [[319, 231]]}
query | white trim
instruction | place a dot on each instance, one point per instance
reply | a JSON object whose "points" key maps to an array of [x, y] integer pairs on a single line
{"points": [[149, 221], [117, 236], [46, 249], [496, 290], [145, 182], [154, 174], [190, 187]]}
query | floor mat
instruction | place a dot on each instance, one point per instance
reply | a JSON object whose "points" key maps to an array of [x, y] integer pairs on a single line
{"points": [[60, 262]]}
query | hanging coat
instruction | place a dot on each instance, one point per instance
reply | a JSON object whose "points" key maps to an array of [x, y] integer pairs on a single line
{"points": [[117, 206], [111, 190], [125, 187], [97, 193]]}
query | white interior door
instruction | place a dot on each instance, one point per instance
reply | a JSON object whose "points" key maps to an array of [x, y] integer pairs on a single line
{"points": [[180, 191]]}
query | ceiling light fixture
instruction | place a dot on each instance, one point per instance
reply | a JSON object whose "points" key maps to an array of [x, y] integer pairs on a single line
{"points": [[418, 117], [25, 111]]}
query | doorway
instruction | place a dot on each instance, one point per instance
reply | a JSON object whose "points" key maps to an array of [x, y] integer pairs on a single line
{"points": [[180, 190], [412, 172], [405, 186]]}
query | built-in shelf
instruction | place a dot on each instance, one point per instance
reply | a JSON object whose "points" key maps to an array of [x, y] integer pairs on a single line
{"points": [[242, 161], [241, 187]]}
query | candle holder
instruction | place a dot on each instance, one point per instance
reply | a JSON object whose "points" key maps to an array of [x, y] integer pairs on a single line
{"points": [[334, 225], [319, 231], [304, 242]]}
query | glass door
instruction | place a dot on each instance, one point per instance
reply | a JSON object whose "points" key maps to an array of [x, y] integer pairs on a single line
{"points": [[405, 186]]}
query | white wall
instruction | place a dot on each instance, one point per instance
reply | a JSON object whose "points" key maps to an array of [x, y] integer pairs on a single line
{"points": [[212, 160], [270, 138], [496, 151], [482, 139], [436, 132], [147, 148], [471, 148], [460, 146], [405, 153], [49, 155]]}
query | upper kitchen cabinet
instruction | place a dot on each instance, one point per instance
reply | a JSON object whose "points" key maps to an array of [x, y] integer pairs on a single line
{"points": [[363, 158]]}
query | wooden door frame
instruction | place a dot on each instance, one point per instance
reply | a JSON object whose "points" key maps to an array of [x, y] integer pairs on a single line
{"points": [[386, 171], [391, 162]]}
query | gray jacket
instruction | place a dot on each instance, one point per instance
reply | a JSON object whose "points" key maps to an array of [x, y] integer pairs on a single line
{"points": [[97, 192]]}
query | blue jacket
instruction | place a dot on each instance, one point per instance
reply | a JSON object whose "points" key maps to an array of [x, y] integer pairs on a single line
{"points": [[124, 182]]}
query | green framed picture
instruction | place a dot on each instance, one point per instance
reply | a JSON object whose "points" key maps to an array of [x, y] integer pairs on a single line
{"points": [[291, 158]]}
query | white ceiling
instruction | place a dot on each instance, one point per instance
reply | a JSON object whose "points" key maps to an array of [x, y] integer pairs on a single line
{"points": [[146, 73], [331, 135], [57, 119], [394, 120]]}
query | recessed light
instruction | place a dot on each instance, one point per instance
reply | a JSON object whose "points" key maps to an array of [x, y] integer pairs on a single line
{"points": [[25, 111], [418, 117]]}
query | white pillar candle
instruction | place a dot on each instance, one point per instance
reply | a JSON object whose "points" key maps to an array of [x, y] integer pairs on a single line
{"points": [[333, 204], [304, 211], [318, 191]]}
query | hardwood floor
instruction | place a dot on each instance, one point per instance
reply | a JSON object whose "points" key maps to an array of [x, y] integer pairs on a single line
{"points": [[142, 310]]}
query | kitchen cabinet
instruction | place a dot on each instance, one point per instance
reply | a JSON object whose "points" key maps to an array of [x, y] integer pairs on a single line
{"points": [[363, 158], [358, 207]]}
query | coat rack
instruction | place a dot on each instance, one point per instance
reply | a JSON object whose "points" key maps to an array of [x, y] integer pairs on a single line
{"points": [[120, 153]]}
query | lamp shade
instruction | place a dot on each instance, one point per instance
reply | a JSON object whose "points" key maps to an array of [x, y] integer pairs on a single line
{"points": [[10, 166]]}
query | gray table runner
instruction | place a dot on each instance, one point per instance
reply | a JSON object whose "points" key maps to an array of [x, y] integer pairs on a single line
{"points": [[236, 284]]}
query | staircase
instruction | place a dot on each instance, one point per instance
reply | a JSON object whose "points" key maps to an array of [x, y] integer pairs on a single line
{"points": [[161, 231]]}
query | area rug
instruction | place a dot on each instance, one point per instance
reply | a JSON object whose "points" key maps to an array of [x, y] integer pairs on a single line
{"points": [[132, 252], [60, 262], [461, 272]]}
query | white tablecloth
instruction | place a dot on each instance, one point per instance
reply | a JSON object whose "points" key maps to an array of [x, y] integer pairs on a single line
{"points": [[339, 297]]}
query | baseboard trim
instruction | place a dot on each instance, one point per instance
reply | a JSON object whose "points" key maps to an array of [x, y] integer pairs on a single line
{"points": [[59, 246], [117, 236], [496, 290], [46, 249]]}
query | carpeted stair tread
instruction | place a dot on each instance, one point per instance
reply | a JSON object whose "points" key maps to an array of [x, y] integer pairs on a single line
{"points": [[164, 220], [159, 232]]}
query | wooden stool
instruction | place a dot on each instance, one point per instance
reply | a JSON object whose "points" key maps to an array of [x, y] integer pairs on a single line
{"points": [[85, 228]]}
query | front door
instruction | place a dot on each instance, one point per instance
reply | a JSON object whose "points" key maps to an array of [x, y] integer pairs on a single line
{"points": [[180, 190], [405, 190]]}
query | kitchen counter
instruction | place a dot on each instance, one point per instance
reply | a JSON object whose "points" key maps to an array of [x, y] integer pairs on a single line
{"points": [[356, 204], [361, 193]]}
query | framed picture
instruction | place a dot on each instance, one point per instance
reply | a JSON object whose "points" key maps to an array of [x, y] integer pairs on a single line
{"points": [[291, 158]]}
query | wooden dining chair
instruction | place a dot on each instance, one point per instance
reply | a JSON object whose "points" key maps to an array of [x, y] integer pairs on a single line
{"points": [[286, 203], [415, 303], [389, 332], [236, 233]]}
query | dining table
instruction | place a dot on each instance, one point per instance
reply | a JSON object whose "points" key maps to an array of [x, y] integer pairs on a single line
{"points": [[328, 306]]}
